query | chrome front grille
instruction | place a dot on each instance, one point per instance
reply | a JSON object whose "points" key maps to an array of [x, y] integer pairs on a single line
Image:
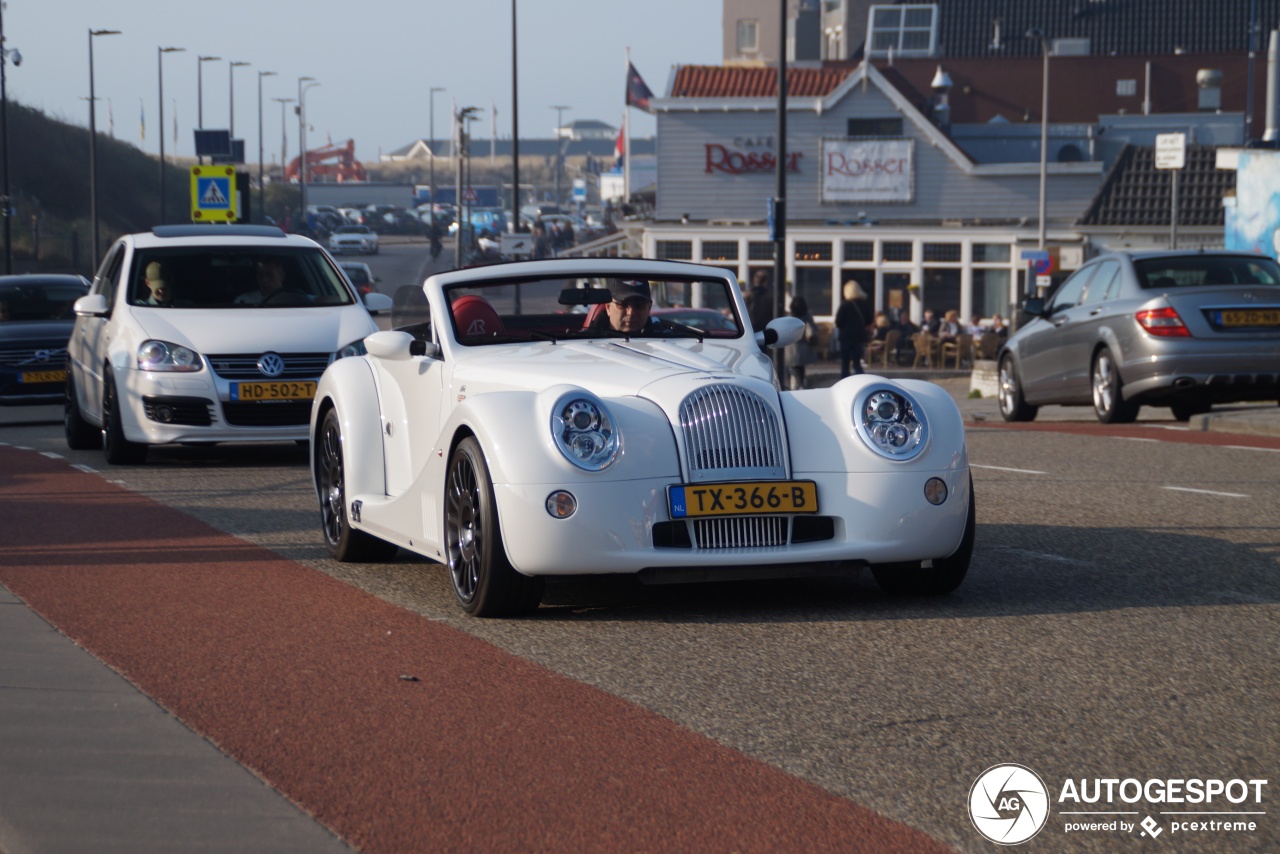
{"points": [[740, 532], [38, 358], [244, 366], [730, 433]]}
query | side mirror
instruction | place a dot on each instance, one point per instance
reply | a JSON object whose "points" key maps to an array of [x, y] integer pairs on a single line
{"points": [[1034, 306], [378, 302], [93, 305], [390, 345], [781, 332]]}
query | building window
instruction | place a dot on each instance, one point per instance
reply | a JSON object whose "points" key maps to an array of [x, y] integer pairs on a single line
{"points": [[813, 251], [898, 251], [908, 30], [941, 290], [814, 284], [859, 250], [991, 253], [675, 250], [942, 252], [719, 250], [760, 250], [991, 293], [748, 36], [875, 127], [1126, 88]]}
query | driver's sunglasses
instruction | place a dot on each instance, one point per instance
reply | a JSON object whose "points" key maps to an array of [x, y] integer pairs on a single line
{"points": [[634, 303]]}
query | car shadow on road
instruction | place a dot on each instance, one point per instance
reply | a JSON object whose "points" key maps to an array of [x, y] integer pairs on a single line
{"points": [[1017, 570]]}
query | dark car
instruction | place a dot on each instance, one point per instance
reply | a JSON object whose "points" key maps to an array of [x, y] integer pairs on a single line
{"points": [[35, 324], [1183, 329]]}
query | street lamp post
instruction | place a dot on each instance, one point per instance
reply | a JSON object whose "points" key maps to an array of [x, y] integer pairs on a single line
{"points": [[462, 142], [160, 52], [284, 136], [231, 78], [302, 143], [200, 87], [432, 99], [262, 190], [93, 146], [517, 226], [1039, 34], [559, 108], [5, 55]]}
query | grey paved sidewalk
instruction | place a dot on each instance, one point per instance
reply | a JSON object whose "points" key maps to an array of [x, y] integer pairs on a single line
{"points": [[90, 764]]}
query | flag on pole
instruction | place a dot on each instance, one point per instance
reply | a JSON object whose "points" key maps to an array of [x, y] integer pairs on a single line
{"points": [[638, 93], [619, 147], [142, 119]]}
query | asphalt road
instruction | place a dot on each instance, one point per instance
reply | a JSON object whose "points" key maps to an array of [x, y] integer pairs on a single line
{"points": [[1119, 621]]}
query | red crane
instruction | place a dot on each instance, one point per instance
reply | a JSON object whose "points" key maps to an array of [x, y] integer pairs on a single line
{"points": [[333, 162]]}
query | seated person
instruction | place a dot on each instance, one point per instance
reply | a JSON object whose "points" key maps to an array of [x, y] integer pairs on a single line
{"points": [[628, 311], [159, 281], [270, 275]]}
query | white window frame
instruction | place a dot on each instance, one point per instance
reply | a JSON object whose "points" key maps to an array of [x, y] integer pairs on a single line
{"points": [[753, 26], [900, 30]]}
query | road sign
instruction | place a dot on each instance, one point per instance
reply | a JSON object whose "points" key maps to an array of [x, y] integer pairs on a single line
{"points": [[1171, 150], [469, 196], [1041, 260], [213, 194], [1044, 281]]}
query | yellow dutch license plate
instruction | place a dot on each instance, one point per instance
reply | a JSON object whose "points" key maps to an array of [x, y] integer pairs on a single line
{"points": [[1251, 317], [44, 377], [252, 392], [749, 498]]}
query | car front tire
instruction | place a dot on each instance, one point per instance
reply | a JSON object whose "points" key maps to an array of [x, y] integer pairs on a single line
{"points": [[344, 542], [944, 576], [81, 435], [483, 579], [1108, 392], [1013, 406], [118, 450]]}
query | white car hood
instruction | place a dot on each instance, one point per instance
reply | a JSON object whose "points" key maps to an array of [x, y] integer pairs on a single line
{"points": [[257, 330], [612, 368]]}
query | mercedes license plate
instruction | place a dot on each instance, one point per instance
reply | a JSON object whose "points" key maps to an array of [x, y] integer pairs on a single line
{"points": [[1251, 317]]}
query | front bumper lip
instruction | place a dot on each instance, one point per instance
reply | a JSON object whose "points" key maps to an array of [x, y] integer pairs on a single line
{"points": [[138, 385]]}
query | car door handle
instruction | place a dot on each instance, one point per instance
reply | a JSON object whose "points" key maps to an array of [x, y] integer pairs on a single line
{"points": [[1095, 312], [1059, 321]]}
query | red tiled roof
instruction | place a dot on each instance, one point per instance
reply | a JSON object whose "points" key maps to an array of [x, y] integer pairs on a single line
{"points": [[717, 81]]}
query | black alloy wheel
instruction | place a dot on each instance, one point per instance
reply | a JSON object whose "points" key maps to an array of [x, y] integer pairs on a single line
{"points": [[118, 450], [81, 435], [345, 543]]}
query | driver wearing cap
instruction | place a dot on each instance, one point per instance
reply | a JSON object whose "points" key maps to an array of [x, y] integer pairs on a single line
{"points": [[628, 311]]}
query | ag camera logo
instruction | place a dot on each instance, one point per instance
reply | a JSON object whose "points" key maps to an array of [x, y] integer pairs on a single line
{"points": [[1009, 804]]}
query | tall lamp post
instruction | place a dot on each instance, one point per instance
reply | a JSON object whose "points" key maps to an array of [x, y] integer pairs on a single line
{"points": [[160, 52], [93, 146], [517, 226], [5, 56], [559, 108], [231, 80], [284, 136], [462, 141], [432, 98], [200, 87], [262, 190], [1045, 45], [302, 143]]}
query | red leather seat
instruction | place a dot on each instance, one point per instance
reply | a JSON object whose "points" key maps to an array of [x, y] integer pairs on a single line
{"points": [[474, 318], [595, 317]]}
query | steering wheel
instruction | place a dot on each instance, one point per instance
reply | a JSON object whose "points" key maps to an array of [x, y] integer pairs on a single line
{"points": [[285, 296]]}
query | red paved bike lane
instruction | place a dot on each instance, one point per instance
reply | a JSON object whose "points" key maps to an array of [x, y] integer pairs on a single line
{"points": [[299, 677]]}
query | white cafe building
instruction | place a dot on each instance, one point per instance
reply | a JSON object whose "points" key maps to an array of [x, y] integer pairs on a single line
{"points": [[876, 192]]}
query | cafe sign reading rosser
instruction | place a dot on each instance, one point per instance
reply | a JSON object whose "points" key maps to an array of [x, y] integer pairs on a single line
{"points": [[867, 170]]}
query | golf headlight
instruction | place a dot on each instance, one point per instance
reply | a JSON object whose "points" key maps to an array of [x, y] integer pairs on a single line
{"points": [[162, 356], [585, 432], [355, 348], [890, 422]]}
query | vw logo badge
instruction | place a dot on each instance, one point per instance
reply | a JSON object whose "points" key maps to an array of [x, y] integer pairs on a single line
{"points": [[271, 364]]}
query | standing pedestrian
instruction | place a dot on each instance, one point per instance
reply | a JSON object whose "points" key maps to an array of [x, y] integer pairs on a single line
{"points": [[760, 300], [853, 329], [802, 353]]}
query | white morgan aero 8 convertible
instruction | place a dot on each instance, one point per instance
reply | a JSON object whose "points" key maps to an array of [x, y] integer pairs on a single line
{"points": [[544, 421]]}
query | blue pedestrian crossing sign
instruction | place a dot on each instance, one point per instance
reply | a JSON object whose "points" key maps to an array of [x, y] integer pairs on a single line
{"points": [[213, 193]]}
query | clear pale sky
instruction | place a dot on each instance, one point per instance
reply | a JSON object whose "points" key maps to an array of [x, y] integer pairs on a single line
{"points": [[375, 60]]}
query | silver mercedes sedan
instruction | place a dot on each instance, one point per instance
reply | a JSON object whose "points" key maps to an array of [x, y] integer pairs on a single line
{"points": [[1183, 329]]}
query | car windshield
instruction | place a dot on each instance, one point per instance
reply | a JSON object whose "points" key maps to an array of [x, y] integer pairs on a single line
{"points": [[1194, 271], [559, 308], [39, 300], [236, 277]]}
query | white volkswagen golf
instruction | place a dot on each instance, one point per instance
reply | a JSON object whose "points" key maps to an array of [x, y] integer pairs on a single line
{"points": [[205, 333]]}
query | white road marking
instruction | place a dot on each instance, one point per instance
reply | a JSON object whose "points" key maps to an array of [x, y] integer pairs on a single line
{"points": [[1206, 492], [53, 455], [1136, 439], [84, 468], [1251, 448], [1005, 468]]}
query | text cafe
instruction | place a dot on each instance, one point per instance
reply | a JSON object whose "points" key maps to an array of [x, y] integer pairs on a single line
{"points": [[876, 193]]}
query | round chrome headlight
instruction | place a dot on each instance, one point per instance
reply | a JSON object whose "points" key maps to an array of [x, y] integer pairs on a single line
{"points": [[890, 422], [585, 432]]}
